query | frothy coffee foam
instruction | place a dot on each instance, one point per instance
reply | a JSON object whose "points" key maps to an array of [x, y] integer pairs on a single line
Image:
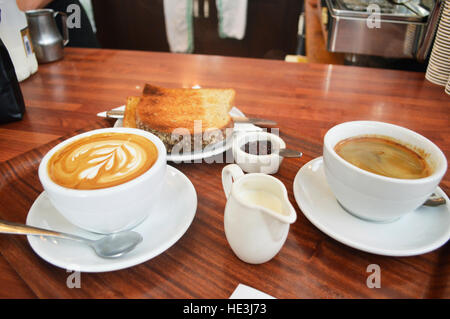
{"points": [[102, 160], [383, 156]]}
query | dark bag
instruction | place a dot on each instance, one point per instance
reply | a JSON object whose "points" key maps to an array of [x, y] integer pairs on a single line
{"points": [[12, 105]]}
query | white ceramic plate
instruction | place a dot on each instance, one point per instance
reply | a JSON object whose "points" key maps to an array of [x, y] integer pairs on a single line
{"points": [[434, 80], [212, 150], [440, 62], [442, 42], [444, 27], [167, 222], [436, 76], [418, 232]]}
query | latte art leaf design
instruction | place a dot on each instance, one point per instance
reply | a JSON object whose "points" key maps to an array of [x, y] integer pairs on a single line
{"points": [[102, 160]]}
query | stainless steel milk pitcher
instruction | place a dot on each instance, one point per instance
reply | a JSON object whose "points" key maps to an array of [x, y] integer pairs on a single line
{"points": [[47, 40]]}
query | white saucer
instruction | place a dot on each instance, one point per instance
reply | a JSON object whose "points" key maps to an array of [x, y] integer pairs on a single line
{"points": [[165, 225], [418, 232], [211, 150]]}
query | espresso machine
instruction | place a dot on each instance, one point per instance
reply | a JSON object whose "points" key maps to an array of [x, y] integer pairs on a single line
{"points": [[386, 29]]}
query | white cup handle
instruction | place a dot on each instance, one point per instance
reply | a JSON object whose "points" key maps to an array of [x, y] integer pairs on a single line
{"points": [[230, 174]]}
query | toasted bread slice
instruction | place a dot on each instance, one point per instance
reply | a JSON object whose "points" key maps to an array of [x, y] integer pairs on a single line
{"points": [[199, 113], [165, 109], [129, 117]]}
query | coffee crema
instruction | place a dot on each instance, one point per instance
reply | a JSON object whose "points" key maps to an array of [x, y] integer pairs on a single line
{"points": [[102, 160], [383, 156]]}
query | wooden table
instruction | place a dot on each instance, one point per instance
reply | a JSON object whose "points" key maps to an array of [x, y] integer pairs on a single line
{"points": [[305, 99]]}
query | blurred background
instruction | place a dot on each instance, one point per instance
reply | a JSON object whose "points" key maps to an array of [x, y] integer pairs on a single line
{"points": [[293, 30], [271, 27], [394, 34]]}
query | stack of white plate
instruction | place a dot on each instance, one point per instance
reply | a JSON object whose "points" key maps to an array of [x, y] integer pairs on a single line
{"points": [[438, 70], [447, 88]]}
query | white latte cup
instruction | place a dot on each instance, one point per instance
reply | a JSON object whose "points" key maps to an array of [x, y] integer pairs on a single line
{"points": [[111, 209], [371, 196]]}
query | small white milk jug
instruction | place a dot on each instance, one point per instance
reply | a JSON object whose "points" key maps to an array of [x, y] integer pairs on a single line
{"points": [[257, 214]]}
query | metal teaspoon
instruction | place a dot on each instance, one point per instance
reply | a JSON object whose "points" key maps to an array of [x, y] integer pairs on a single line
{"points": [[109, 246]]}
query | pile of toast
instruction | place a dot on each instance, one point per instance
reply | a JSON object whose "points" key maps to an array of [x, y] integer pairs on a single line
{"points": [[188, 118]]}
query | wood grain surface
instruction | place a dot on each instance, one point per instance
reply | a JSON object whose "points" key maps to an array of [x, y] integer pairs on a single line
{"points": [[306, 100]]}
